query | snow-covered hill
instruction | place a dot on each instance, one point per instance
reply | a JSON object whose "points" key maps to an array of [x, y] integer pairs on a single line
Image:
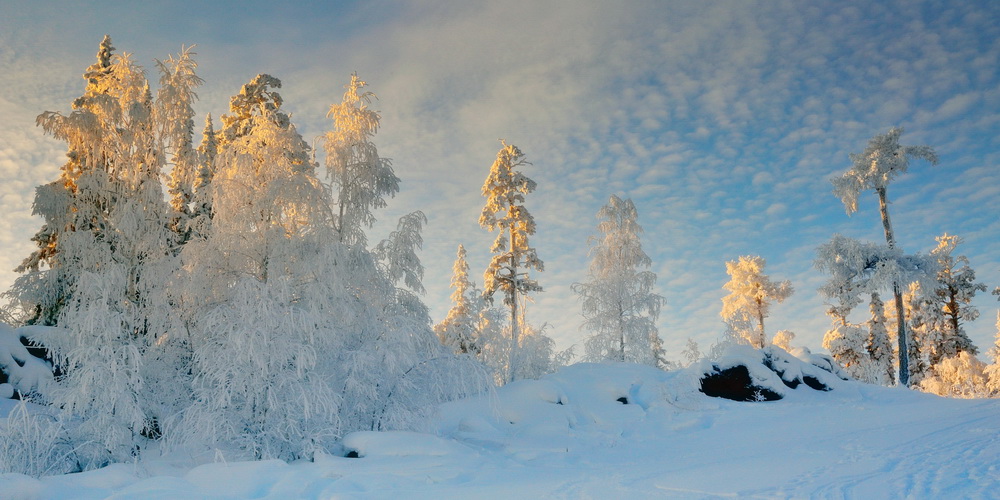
{"points": [[613, 431]]}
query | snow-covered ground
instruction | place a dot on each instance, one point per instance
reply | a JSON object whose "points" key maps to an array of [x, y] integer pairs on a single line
{"points": [[569, 435]]}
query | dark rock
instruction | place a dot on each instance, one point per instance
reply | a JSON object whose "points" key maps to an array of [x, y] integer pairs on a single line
{"points": [[736, 384]]}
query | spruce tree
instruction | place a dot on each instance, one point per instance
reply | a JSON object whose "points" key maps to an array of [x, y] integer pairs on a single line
{"points": [[458, 330]]}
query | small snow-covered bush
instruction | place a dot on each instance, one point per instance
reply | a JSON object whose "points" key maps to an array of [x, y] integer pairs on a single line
{"points": [[961, 376], [35, 444]]}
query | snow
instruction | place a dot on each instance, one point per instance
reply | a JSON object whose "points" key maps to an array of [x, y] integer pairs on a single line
{"points": [[568, 435]]}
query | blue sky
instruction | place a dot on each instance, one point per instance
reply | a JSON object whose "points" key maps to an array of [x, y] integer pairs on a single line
{"points": [[723, 121]]}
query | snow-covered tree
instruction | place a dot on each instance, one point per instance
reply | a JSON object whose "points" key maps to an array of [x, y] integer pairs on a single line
{"points": [[881, 161], [959, 376], [879, 343], [952, 297], [858, 270], [458, 330], [751, 293], [619, 304], [992, 371], [504, 212], [783, 339], [846, 343], [110, 263], [691, 353], [361, 178], [175, 107]]}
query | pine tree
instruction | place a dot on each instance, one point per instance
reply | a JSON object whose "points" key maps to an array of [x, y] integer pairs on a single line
{"points": [[505, 189], [361, 178], [619, 304], [458, 330], [751, 293], [881, 161]]}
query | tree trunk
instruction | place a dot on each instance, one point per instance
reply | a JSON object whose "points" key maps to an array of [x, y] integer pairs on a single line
{"points": [[904, 353], [514, 323], [761, 338]]}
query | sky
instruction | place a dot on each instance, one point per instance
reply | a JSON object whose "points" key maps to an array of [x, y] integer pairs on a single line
{"points": [[722, 121]]}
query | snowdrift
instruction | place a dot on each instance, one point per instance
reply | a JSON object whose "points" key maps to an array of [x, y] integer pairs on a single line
{"points": [[616, 431]]}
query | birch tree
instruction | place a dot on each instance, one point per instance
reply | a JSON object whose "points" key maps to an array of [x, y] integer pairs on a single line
{"points": [[360, 177], [873, 169], [618, 301]]}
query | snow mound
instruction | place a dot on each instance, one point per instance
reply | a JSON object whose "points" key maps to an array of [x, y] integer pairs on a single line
{"points": [[20, 371]]}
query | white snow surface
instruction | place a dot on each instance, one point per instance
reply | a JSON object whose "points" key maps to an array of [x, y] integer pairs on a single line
{"points": [[567, 435]]}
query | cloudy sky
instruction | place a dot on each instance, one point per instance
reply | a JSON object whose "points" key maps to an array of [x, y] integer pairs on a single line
{"points": [[723, 121]]}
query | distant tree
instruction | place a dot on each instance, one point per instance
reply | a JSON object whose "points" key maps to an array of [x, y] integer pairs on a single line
{"points": [[952, 297], [504, 212], [751, 293], [993, 370], [881, 161], [175, 105], [783, 339], [458, 330], [924, 324], [201, 200], [619, 304], [361, 178], [846, 343], [691, 352], [879, 343], [959, 376]]}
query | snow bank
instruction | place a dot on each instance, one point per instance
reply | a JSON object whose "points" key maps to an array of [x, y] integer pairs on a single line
{"points": [[615, 431], [19, 370]]}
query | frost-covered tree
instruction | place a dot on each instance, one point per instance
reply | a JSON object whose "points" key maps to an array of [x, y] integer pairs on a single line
{"points": [[108, 261], [873, 169], [857, 270], [619, 304], [959, 376], [846, 343], [751, 293], [175, 106], [993, 370], [952, 296], [361, 178], [691, 353], [245, 289], [783, 339], [458, 330], [879, 343], [504, 212]]}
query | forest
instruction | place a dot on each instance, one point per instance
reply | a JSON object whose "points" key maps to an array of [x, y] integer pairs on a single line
{"points": [[226, 293]]}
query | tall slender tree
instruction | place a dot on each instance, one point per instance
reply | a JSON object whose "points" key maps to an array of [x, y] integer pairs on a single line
{"points": [[619, 304], [504, 212], [873, 169]]}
